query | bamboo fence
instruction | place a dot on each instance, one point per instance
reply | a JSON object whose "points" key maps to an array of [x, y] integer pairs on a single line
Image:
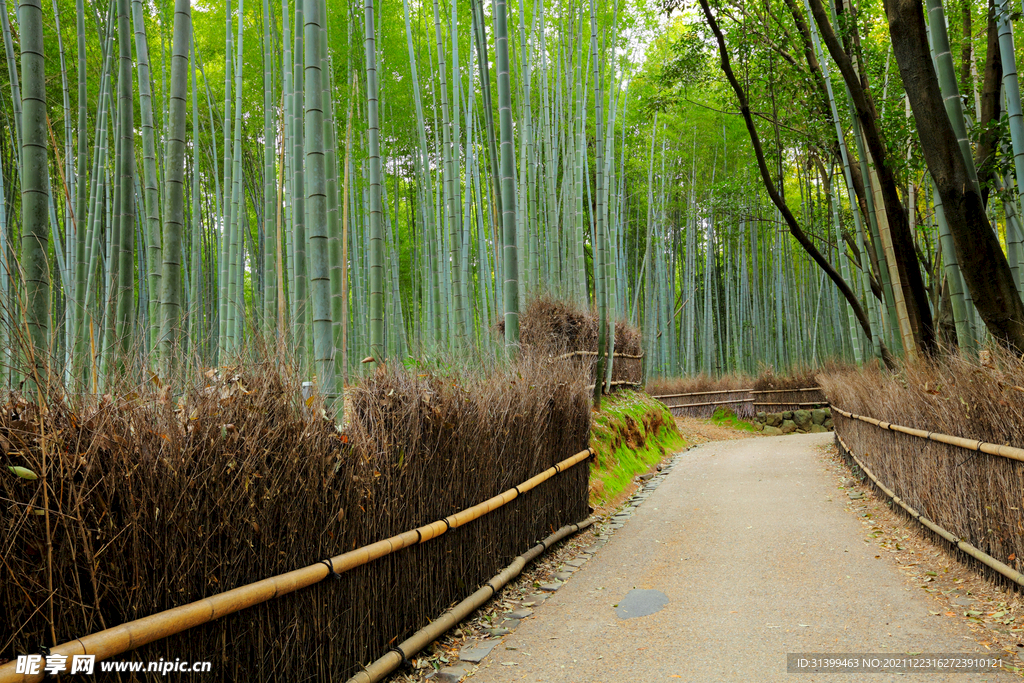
{"points": [[119, 639], [744, 402], [970, 501]]}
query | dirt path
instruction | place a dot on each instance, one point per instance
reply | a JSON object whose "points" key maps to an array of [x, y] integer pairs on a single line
{"points": [[749, 544]]}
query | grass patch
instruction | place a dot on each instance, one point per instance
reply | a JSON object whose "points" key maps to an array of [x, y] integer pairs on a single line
{"points": [[631, 433], [723, 417]]}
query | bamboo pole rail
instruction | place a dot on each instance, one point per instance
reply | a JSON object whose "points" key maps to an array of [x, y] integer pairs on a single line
{"points": [[570, 354], [616, 383], [737, 391], [713, 403], [982, 557], [432, 631], [1000, 450], [792, 403], [705, 393], [133, 634], [784, 391]]}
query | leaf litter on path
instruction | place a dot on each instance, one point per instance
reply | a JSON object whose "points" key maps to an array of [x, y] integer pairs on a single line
{"points": [[993, 613]]}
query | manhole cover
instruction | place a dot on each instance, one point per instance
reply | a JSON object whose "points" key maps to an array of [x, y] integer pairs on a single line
{"points": [[640, 603]]}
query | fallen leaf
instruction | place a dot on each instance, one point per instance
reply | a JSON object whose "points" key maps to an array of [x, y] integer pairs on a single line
{"points": [[23, 472]]}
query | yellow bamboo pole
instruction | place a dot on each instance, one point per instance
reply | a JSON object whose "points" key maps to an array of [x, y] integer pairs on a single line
{"points": [[906, 333], [705, 393], [435, 629], [133, 634], [1002, 451]]}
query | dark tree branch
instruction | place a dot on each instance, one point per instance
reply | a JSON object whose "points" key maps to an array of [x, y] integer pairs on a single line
{"points": [[915, 294], [766, 177], [984, 156], [982, 262]]}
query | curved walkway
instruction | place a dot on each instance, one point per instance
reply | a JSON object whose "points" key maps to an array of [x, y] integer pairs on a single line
{"points": [[750, 546]]}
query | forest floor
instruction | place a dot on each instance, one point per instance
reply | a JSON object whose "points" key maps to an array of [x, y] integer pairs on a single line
{"points": [[743, 550]]}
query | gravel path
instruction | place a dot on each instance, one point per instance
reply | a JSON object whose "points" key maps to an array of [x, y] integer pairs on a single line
{"points": [[749, 544]]}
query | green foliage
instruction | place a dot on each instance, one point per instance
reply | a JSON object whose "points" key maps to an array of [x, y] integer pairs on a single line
{"points": [[723, 417], [630, 434]]}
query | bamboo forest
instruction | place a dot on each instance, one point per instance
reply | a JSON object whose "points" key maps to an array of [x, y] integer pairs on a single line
{"points": [[289, 289], [349, 182]]}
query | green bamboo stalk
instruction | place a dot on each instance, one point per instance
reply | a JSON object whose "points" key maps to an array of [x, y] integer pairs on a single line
{"points": [[316, 204], [508, 183], [948, 85], [223, 260], [954, 280], [1011, 90], [600, 241], [378, 350], [81, 205], [235, 244], [480, 36], [126, 190], [333, 191], [300, 306], [196, 309], [269, 313], [12, 72], [68, 182], [152, 193], [174, 187]]}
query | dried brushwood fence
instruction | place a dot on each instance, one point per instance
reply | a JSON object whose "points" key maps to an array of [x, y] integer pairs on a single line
{"points": [[701, 395], [627, 369], [959, 543], [972, 490], [152, 505], [780, 400], [743, 402], [704, 403], [561, 330]]}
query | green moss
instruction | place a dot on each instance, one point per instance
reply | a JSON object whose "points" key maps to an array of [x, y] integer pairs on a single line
{"points": [[723, 417], [631, 433]]}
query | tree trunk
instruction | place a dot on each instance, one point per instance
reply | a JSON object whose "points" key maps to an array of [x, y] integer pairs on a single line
{"points": [[984, 267], [915, 294], [984, 156]]}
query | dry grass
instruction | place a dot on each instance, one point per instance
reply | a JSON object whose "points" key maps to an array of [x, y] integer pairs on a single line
{"points": [[698, 383], [155, 502], [975, 496], [552, 327]]}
